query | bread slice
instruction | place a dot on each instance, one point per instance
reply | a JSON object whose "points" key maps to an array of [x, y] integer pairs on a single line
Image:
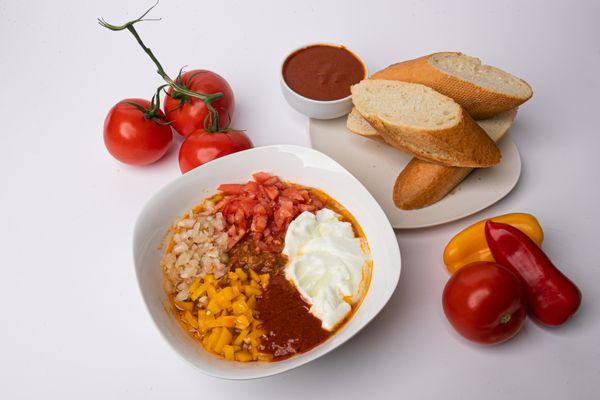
{"points": [[358, 125], [422, 183], [417, 119], [482, 90], [495, 127]]}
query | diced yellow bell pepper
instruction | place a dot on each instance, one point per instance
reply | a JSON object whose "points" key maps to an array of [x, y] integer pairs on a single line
{"points": [[228, 321], [241, 322], [210, 278], [229, 352], [210, 290], [228, 293], [232, 276], [199, 291], [240, 338], [470, 245], [185, 305], [206, 322], [224, 339], [190, 319], [254, 352], [222, 300], [255, 284], [241, 274], [194, 285], [252, 291], [239, 307], [213, 306], [264, 280], [258, 333], [264, 357], [243, 356], [205, 342], [212, 339], [253, 275], [242, 296], [251, 302]]}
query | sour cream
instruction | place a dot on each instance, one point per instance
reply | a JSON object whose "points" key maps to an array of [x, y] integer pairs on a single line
{"points": [[325, 263]]}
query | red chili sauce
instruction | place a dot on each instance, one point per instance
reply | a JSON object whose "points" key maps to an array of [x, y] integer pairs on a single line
{"points": [[322, 72], [284, 314]]}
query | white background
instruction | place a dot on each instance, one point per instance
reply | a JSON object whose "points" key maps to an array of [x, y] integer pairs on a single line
{"points": [[73, 323]]}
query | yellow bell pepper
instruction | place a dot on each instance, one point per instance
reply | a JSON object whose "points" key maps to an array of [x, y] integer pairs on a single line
{"points": [[469, 245]]}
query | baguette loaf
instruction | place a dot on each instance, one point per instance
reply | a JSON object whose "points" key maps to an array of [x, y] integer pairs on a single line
{"points": [[482, 90], [418, 120], [422, 183]]}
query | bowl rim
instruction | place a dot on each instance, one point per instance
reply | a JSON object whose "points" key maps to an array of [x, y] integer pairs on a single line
{"points": [[330, 44], [283, 364]]}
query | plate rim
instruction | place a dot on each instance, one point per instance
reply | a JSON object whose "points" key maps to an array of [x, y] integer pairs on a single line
{"points": [[506, 140]]}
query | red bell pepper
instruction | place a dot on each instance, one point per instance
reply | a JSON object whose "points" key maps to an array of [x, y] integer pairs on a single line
{"points": [[552, 298]]}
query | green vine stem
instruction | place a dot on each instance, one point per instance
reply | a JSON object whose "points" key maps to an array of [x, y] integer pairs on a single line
{"points": [[208, 99], [153, 111]]}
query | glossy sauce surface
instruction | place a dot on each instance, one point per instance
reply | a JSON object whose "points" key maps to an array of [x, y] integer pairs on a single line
{"points": [[322, 72], [284, 315]]}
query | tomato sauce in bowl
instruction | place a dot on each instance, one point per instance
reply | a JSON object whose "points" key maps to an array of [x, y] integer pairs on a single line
{"points": [[323, 72]]}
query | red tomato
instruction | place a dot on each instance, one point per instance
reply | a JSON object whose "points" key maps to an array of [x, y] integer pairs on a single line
{"points": [[189, 116], [485, 302], [201, 147], [131, 137]]}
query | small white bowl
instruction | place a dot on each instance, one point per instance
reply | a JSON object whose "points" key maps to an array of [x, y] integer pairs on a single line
{"points": [[296, 164], [317, 109]]}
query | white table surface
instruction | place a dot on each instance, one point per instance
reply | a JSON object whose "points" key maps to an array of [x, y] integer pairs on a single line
{"points": [[73, 321]]}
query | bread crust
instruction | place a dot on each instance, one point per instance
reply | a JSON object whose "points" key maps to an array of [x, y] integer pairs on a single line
{"points": [[478, 101], [463, 145], [355, 123], [421, 183]]}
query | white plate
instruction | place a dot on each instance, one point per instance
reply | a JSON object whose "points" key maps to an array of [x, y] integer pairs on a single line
{"points": [[377, 165], [297, 164]]}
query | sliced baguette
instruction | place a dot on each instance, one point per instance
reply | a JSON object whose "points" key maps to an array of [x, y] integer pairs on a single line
{"points": [[482, 90], [358, 125], [422, 183], [418, 120]]}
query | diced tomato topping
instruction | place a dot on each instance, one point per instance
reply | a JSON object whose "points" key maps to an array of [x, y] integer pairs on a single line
{"points": [[307, 207], [248, 206], [251, 187], [259, 223], [260, 177], [271, 181], [263, 207], [231, 188], [259, 209], [272, 192], [293, 194]]}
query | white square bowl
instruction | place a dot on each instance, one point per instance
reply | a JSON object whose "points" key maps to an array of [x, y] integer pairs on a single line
{"points": [[300, 165]]}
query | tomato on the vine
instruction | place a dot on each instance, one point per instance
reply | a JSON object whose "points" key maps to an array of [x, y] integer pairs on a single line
{"points": [[485, 302], [134, 136], [201, 147], [187, 114]]}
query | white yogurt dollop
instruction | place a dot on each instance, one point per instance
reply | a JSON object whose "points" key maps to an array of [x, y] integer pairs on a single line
{"points": [[325, 263]]}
